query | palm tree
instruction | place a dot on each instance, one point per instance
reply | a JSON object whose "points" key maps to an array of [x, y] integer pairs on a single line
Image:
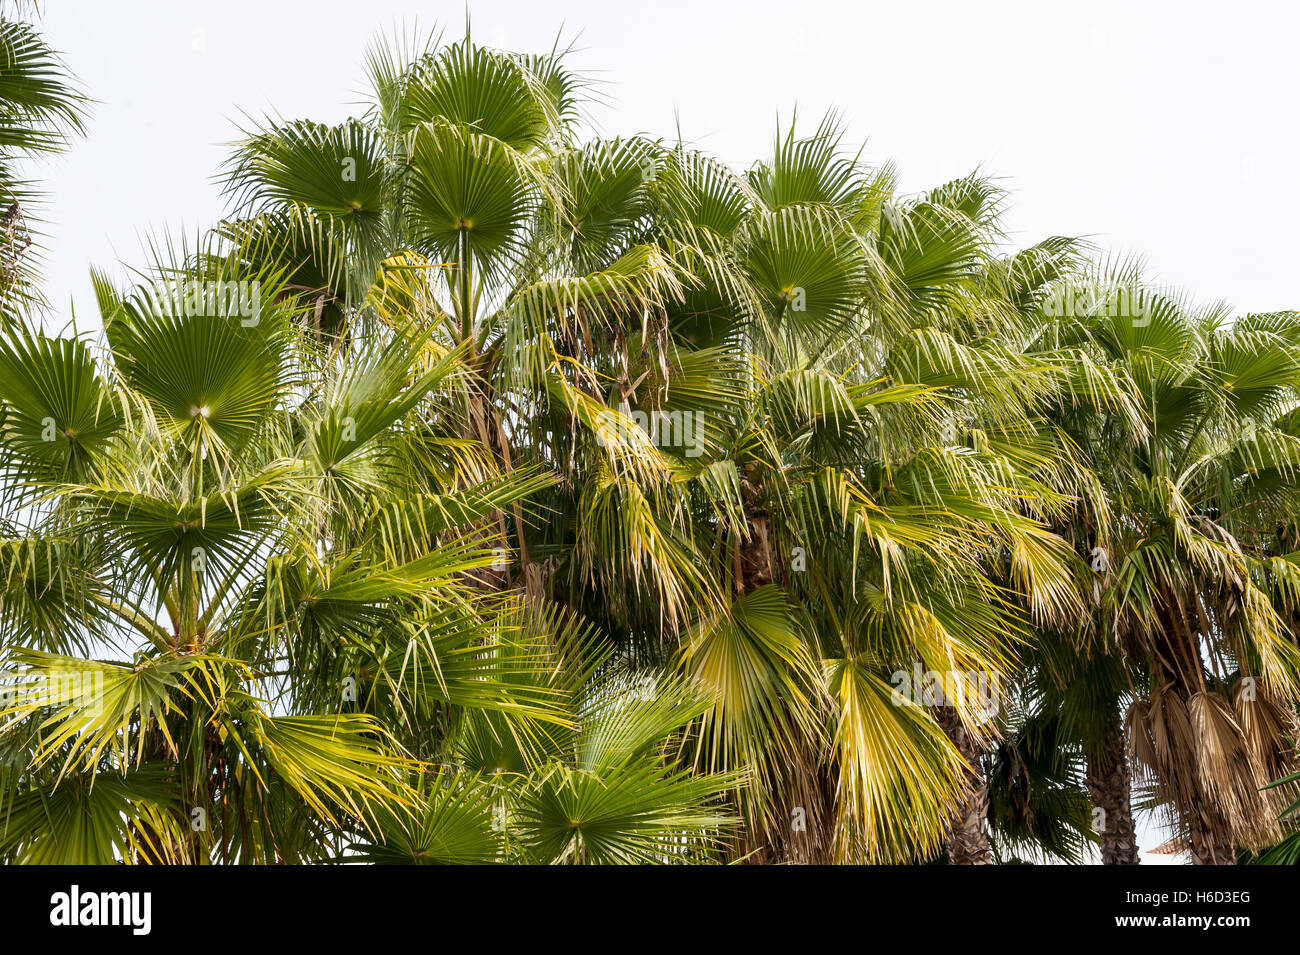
{"points": [[475, 493], [236, 597], [41, 107], [741, 385], [1193, 569], [1039, 805]]}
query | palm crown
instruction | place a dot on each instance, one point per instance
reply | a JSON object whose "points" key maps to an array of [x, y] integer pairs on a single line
{"points": [[475, 493]]}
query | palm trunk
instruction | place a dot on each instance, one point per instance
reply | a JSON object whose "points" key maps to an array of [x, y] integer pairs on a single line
{"points": [[1108, 780], [968, 840], [1210, 848]]}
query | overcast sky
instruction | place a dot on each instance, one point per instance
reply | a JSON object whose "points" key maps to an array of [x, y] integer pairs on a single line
{"points": [[1166, 130]]}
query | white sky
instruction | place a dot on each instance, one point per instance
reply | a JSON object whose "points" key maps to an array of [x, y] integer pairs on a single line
{"points": [[1162, 129], [1166, 130]]}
